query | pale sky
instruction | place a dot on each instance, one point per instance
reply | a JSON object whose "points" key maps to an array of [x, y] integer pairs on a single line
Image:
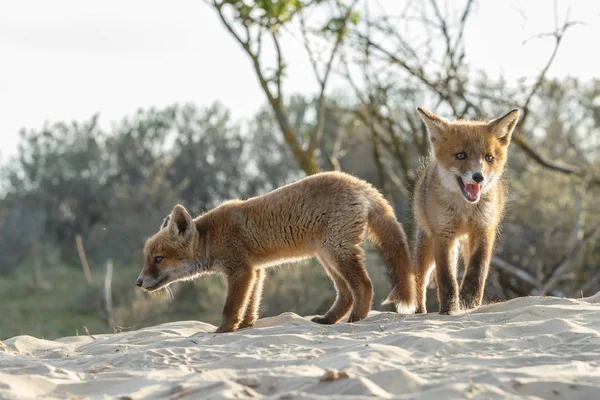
{"points": [[64, 60]]}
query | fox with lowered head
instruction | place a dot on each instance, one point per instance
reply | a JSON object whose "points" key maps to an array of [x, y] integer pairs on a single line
{"points": [[326, 215]]}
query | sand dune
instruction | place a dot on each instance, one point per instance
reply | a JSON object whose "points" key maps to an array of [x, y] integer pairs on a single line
{"points": [[535, 347]]}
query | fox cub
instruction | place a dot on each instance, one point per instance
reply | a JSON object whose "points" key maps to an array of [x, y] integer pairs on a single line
{"points": [[458, 204], [324, 215]]}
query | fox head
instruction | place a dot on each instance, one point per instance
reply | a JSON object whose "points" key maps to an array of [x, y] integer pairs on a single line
{"points": [[169, 254], [470, 154]]}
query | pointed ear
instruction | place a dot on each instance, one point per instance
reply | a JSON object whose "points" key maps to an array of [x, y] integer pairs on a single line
{"points": [[165, 222], [180, 223], [504, 126], [437, 127]]}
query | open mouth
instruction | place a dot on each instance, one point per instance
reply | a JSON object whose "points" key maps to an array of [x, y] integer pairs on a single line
{"points": [[158, 285], [471, 191]]}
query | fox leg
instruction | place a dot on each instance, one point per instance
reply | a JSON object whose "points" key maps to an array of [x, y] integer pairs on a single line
{"points": [[477, 268], [445, 254], [240, 282], [424, 265], [348, 262], [251, 314], [343, 300]]}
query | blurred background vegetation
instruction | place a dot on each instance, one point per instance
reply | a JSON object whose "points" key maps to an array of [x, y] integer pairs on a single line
{"points": [[112, 187]]}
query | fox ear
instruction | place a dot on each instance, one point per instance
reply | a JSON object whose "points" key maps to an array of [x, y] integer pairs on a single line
{"points": [[504, 126], [180, 222], [437, 127]]}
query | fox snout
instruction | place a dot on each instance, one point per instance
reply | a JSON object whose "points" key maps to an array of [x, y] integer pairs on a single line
{"points": [[140, 280], [473, 176], [150, 282]]}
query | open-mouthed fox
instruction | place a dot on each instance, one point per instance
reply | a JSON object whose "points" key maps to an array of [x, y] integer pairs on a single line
{"points": [[458, 204], [325, 215]]}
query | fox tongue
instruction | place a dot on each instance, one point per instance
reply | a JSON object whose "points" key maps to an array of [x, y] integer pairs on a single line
{"points": [[472, 190]]}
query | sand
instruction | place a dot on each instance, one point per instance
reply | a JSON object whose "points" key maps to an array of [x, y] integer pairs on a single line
{"points": [[532, 347]]}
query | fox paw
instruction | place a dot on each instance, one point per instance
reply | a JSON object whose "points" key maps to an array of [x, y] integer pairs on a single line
{"points": [[421, 310], [225, 329], [354, 318], [449, 309], [470, 302], [322, 320], [247, 324]]}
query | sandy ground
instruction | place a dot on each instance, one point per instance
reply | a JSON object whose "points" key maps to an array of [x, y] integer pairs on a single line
{"points": [[534, 347]]}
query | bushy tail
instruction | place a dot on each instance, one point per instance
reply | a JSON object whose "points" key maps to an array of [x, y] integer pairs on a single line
{"points": [[386, 233]]}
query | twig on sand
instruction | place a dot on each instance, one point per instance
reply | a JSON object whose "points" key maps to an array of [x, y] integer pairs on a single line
{"points": [[88, 333], [119, 328]]}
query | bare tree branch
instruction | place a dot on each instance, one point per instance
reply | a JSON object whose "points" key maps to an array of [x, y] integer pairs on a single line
{"points": [[280, 65], [364, 116], [581, 239], [381, 170], [83, 259], [339, 37], [369, 113], [519, 139], [334, 158], [555, 166], [305, 159], [418, 73], [515, 271], [558, 35], [445, 33], [463, 23], [449, 97], [218, 7], [589, 284]]}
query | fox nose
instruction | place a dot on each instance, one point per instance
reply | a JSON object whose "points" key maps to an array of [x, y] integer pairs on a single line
{"points": [[478, 177], [139, 282]]}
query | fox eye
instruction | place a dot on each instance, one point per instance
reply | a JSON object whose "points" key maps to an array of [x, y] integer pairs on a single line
{"points": [[461, 155], [489, 158], [158, 259]]}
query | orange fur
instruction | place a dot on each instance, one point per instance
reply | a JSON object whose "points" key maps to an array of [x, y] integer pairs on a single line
{"points": [[466, 154], [324, 215]]}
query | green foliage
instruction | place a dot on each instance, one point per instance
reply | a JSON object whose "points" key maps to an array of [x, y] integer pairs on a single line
{"points": [[267, 13], [115, 188], [27, 309], [273, 14], [338, 26]]}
